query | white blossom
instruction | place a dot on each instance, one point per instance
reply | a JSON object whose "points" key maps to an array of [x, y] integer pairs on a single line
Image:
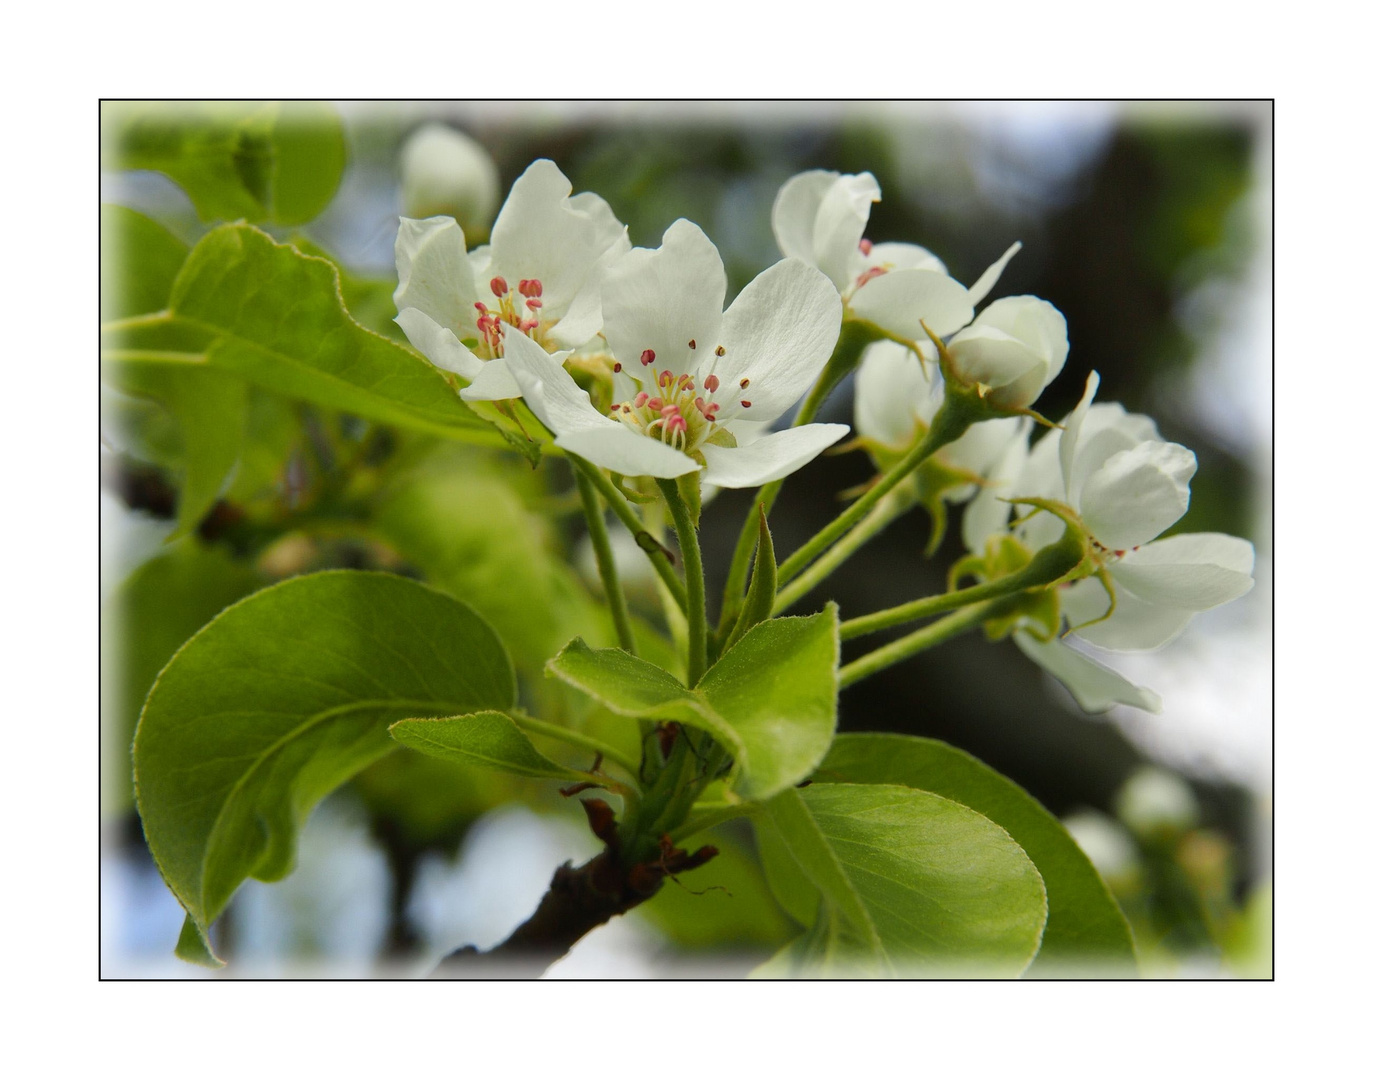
{"points": [[1014, 348], [445, 172]]}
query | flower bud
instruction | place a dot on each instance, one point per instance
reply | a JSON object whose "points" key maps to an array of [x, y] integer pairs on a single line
{"points": [[444, 172], [1014, 348]]}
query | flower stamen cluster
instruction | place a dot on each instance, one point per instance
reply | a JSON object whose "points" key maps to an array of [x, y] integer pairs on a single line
{"points": [[491, 324]]}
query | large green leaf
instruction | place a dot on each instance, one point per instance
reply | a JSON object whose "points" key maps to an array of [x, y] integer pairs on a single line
{"points": [[771, 699], [256, 160], [209, 409], [278, 320], [145, 621], [139, 260], [489, 739], [910, 883], [1086, 927], [278, 701]]}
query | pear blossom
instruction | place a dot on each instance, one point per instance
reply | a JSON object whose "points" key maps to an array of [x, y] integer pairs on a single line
{"points": [[1109, 472], [443, 171], [538, 279], [1013, 349], [698, 385], [820, 217]]}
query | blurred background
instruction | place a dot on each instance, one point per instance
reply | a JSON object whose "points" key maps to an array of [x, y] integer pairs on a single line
{"points": [[1148, 226]]}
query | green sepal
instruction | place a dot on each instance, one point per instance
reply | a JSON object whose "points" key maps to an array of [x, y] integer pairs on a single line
{"points": [[762, 588]]}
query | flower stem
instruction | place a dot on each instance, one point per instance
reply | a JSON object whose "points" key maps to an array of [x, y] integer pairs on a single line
{"points": [[1049, 565], [893, 506], [657, 554], [918, 641], [706, 815], [950, 422], [855, 336], [605, 562], [695, 580]]}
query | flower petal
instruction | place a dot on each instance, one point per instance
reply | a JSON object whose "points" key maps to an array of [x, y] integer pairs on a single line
{"points": [[435, 274], [1193, 571], [662, 299], [439, 345], [494, 382], [1134, 625], [794, 210], [542, 233], [898, 301], [839, 223], [777, 334], [1072, 431], [897, 256], [566, 410], [989, 513], [891, 392], [1017, 346], [769, 458], [1137, 494], [1094, 687], [979, 289]]}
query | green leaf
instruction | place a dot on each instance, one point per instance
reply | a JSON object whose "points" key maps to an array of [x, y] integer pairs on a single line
{"points": [[489, 739], [260, 161], [145, 621], [139, 260], [762, 587], [771, 699], [1085, 925], [282, 698], [368, 300], [279, 322], [910, 883], [210, 409]]}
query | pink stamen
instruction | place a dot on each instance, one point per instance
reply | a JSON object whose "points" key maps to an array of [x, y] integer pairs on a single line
{"points": [[656, 404], [499, 287], [701, 405], [711, 410], [480, 307], [743, 384], [647, 357], [531, 287], [529, 324], [719, 350], [746, 404], [682, 381], [712, 383], [691, 344], [664, 377], [865, 246], [639, 399], [533, 304], [868, 275]]}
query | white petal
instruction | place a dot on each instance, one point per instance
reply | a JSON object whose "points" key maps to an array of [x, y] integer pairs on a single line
{"points": [[1137, 494], [444, 171], [992, 357], [892, 390], [1193, 571], [769, 458], [794, 210], [582, 320], [1134, 625], [566, 410], [1016, 345], [435, 275], [748, 432], [897, 256], [542, 233], [1107, 430], [495, 382], [983, 445], [777, 334], [439, 345], [664, 299], [988, 513], [839, 223], [979, 289], [1072, 432], [898, 301], [1095, 688]]}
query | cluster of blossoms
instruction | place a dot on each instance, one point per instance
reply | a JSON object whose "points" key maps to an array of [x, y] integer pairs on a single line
{"points": [[685, 386]]}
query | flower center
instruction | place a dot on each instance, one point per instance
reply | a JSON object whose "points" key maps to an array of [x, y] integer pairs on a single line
{"points": [[676, 410], [520, 310]]}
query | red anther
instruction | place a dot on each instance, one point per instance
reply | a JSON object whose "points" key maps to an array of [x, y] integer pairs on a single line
{"points": [[865, 246], [743, 384], [499, 287], [618, 367], [711, 410], [531, 287], [480, 307], [529, 324], [712, 383], [719, 350], [701, 405], [656, 404], [639, 399], [533, 303], [614, 408], [868, 275], [691, 344], [664, 377], [1120, 554], [647, 357], [682, 381], [672, 409], [676, 422], [746, 404]]}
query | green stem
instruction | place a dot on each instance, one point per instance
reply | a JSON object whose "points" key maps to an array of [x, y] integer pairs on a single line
{"points": [[134, 322], [152, 356], [706, 815], [855, 336], [605, 562], [695, 580], [576, 738], [619, 505], [890, 508], [918, 641], [1049, 565], [950, 422]]}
